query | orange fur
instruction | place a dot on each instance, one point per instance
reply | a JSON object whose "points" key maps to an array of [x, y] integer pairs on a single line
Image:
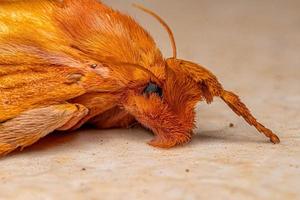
{"points": [[81, 53]]}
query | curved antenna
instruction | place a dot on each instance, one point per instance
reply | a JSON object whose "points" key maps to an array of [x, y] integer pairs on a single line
{"points": [[164, 24]]}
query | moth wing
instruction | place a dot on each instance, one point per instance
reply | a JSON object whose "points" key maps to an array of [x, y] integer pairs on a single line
{"points": [[24, 87], [38, 64]]}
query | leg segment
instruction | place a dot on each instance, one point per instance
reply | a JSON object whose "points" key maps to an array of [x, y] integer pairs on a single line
{"points": [[233, 101], [168, 128]]}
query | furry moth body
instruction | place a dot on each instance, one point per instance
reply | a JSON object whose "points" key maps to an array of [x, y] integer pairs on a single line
{"points": [[67, 63]]}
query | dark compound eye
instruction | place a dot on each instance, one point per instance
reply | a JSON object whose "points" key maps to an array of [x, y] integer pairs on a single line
{"points": [[153, 88]]}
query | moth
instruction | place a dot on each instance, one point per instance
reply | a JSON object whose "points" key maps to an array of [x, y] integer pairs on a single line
{"points": [[73, 62]]}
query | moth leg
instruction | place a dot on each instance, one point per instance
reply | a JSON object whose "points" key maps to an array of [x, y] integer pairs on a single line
{"points": [[234, 102], [168, 129], [210, 88], [170, 140], [113, 118], [117, 118], [31, 125]]}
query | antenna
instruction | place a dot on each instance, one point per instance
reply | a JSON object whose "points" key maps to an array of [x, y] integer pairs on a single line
{"points": [[164, 24]]}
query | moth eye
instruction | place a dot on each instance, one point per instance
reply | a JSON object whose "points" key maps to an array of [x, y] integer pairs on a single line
{"points": [[153, 88]]}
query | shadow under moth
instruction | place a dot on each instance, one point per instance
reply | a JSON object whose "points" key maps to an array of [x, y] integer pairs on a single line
{"points": [[67, 63]]}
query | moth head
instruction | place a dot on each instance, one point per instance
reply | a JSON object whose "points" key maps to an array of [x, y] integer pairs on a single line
{"points": [[166, 107]]}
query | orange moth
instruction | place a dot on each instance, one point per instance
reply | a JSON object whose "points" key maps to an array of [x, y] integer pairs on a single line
{"points": [[67, 63]]}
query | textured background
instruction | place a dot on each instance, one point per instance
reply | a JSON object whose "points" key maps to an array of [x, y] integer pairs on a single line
{"points": [[254, 49]]}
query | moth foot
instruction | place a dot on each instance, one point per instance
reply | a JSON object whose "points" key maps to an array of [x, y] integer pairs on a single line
{"points": [[274, 139], [170, 141]]}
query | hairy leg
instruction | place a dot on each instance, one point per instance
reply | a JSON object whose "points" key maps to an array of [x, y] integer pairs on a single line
{"points": [[234, 102], [168, 129], [31, 125], [210, 87]]}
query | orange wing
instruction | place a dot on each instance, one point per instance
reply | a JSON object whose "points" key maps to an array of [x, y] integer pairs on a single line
{"points": [[71, 32], [26, 87]]}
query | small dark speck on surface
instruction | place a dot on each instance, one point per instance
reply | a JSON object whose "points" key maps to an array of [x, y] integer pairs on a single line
{"points": [[231, 125], [187, 170], [83, 169]]}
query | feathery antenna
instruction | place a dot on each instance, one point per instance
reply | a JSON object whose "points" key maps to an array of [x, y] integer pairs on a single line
{"points": [[164, 24]]}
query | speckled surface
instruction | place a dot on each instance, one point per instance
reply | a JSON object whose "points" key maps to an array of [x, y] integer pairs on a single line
{"points": [[253, 47]]}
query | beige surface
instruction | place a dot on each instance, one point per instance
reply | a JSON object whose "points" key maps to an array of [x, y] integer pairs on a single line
{"points": [[254, 49]]}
